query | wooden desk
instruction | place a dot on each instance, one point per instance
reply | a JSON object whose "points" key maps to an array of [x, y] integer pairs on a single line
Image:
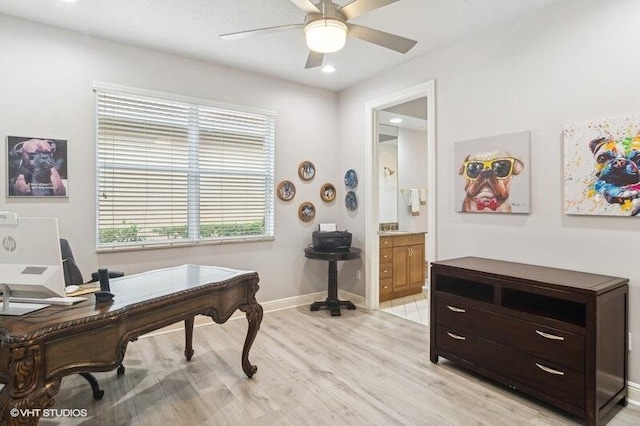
{"points": [[38, 349], [332, 302]]}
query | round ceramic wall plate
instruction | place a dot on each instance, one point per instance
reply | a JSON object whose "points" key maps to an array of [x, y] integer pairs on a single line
{"points": [[328, 192], [351, 201], [286, 190], [306, 170], [351, 179], [306, 211]]}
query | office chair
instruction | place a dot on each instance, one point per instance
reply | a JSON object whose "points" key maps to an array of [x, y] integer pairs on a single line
{"points": [[73, 276]]}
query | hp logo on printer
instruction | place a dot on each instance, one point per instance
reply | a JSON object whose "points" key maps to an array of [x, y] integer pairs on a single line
{"points": [[9, 243]]}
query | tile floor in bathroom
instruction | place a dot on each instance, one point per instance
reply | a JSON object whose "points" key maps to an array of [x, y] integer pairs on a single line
{"points": [[413, 307]]}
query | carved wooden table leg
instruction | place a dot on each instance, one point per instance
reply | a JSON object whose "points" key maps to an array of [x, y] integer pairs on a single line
{"points": [[26, 393], [188, 334], [254, 317]]}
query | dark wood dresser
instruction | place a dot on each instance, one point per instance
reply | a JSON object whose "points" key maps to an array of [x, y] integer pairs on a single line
{"points": [[557, 335]]}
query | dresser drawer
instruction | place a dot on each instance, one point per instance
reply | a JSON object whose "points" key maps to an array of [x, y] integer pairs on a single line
{"points": [[386, 270], [386, 255], [557, 346], [552, 380], [460, 343]]}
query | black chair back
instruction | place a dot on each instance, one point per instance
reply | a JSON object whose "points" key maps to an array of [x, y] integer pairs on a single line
{"points": [[72, 274]]}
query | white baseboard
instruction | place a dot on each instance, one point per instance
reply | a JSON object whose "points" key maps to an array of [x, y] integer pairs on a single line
{"points": [[634, 393]]}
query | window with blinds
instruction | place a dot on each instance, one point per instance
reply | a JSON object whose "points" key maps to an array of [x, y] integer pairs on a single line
{"points": [[175, 171]]}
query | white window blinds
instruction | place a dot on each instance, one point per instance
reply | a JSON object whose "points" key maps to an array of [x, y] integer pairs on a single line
{"points": [[171, 171]]}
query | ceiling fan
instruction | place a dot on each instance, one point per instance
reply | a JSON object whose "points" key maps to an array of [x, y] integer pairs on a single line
{"points": [[326, 28]]}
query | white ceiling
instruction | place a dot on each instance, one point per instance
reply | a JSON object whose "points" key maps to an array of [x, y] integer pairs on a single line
{"points": [[191, 28]]}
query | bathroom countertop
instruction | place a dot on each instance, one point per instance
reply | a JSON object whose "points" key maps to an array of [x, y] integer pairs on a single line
{"points": [[396, 232]]}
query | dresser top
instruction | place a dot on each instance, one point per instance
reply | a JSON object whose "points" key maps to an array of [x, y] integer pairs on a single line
{"points": [[587, 282]]}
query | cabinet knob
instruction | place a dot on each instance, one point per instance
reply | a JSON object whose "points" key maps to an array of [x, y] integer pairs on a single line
{"points": [[385, 256], [385, 271]]}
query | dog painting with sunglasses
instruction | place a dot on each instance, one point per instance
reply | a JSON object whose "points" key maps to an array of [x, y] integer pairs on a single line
{"points": [[487, 181]]}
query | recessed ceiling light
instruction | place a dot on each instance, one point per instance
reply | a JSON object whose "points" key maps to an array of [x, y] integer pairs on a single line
{"points": [[395, 120], [328, 68]]}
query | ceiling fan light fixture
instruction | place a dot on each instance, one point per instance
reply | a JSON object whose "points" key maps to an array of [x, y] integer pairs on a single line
{"points": [[325, 35]]}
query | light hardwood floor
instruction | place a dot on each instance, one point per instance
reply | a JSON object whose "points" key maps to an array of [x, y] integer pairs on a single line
{"points": [[363, 368]]}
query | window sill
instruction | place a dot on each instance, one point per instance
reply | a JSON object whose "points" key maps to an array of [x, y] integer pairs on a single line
{"points": [[181, 244]]}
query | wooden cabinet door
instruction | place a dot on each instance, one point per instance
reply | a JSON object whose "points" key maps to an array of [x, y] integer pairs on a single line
{"points": [[400, 268], [416, 266]]}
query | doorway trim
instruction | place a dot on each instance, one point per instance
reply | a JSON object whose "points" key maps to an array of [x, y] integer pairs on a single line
{"points": [[372, 245]]}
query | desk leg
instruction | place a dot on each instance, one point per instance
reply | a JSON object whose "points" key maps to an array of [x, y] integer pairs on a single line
{"points": [[26, 393], [188, 337], [254, 317]]}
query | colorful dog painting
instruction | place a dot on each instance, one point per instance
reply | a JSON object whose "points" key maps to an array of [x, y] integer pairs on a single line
{"points": [[602, 167]]}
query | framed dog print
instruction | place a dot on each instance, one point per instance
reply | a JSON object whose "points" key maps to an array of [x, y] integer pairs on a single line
{"points": [[36, 167], [492, 174], [601, 167]]}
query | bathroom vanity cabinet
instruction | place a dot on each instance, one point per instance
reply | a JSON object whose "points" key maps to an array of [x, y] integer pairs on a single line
{"points": [[557, 335], [402, 265]]}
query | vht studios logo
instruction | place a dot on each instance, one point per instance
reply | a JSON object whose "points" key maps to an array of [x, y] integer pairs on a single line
{"points": [[9, 243]]}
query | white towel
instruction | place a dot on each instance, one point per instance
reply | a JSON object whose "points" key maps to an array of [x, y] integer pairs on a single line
{"points": [[423, 196], [415, 202]]}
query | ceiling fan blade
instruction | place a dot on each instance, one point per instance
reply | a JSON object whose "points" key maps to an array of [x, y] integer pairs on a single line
{"points": [[260, 31], [314, 60], [360, 7], [390, 41], [306, 5]]}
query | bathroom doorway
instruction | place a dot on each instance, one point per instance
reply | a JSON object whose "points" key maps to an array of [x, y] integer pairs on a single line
{"points": [[384, 182]]}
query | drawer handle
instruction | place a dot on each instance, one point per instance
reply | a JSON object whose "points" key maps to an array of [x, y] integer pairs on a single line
{"points": [[549, 336], [454, 309], [455, 336], [549, 370]]}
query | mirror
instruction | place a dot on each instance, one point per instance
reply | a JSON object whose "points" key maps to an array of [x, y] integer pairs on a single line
{"points": [[402, 158], [387, 174]]}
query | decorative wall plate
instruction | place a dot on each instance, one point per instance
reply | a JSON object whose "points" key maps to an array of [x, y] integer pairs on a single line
{"points": [[351, 201], [351, 179], [306, 211], [328, 192], [286, 190], [306, 170]]}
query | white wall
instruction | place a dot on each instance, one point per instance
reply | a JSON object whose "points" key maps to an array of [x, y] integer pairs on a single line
{"points": [[45, 91], [573, 61]]}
